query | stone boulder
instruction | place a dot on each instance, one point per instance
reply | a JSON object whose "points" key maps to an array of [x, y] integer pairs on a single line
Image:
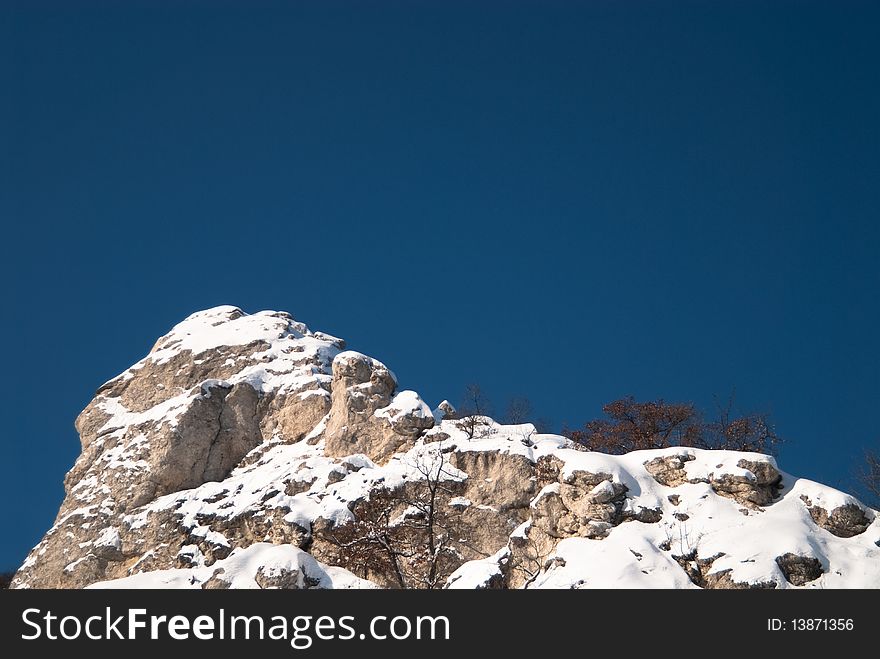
{"points": [[759, 487], [799, 570], [845, 521], [365, 416], [669, 470]]}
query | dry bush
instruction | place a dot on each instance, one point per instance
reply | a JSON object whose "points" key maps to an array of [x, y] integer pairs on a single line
{"points": [[630, 425]]}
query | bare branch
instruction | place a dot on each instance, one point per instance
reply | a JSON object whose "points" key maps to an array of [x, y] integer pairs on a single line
{"points": [[407, 534]]}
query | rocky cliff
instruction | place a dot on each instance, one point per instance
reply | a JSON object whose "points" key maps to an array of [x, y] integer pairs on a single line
{"points": [[246, 451]]}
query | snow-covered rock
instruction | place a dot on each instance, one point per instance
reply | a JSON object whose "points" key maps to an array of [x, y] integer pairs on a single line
{"points": [[240, 450], [261, 565], [361, 418]]}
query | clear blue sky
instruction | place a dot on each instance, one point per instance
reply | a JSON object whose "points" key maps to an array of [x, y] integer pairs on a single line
{"points": [[568, 201]]}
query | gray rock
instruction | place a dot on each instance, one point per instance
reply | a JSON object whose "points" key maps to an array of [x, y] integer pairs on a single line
{"points": [[278, 578], [799, 570], [844, 521], [760, 491], [216, 582], [445, 411], [669, 470], [361, 386]]}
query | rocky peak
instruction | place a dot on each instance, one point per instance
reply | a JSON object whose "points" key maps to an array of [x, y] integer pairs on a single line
{"points": [[242, 447]]}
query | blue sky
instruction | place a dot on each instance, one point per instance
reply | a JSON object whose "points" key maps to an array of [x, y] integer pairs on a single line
{"points": [[567, 201]]}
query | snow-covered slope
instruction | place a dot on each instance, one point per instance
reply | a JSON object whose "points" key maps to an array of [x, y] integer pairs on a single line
{"points": [[261, 565], [246, 451]]}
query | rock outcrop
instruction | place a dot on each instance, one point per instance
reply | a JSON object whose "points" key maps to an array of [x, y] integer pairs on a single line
{"points": [[365, 416], [240, 450]]}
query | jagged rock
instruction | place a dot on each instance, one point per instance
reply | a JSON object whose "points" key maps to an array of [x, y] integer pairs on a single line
{"points": [[445, 411], [799, 570], [529, 550], [407, 414], [582, 504], [502, 481], [590, 495], [552, 516], [547, 470], [701, 573], [186, 414], [844, 521], [644, 515], [723, 580], [435, 435], [758, 488], [669, 470], [217, 582], [362, 387], [214, 429], [284, 578], [293, 416], [271, 526], [241, 442]]}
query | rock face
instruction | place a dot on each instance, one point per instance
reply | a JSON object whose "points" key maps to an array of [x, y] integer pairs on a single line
{"points": [[243, 447], [365, 416], [844, 521]]}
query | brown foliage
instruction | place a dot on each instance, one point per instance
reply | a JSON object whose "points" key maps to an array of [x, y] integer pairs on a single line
{"points": [[751, 432], [631, 426]]}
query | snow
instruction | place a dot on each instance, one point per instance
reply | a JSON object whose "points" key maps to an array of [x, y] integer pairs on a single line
{"points": [[440, 412], [748, 543], [347, 356], [240, 569], [109, 538], [822, 495], [479, 573], [507, 439], [613, 563], [121, 418], [604, 489], [405, 404], [721, 462], [192, 554], [629, 557], [287, 356], [213, 328], [550, 488], [522, 530]]}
